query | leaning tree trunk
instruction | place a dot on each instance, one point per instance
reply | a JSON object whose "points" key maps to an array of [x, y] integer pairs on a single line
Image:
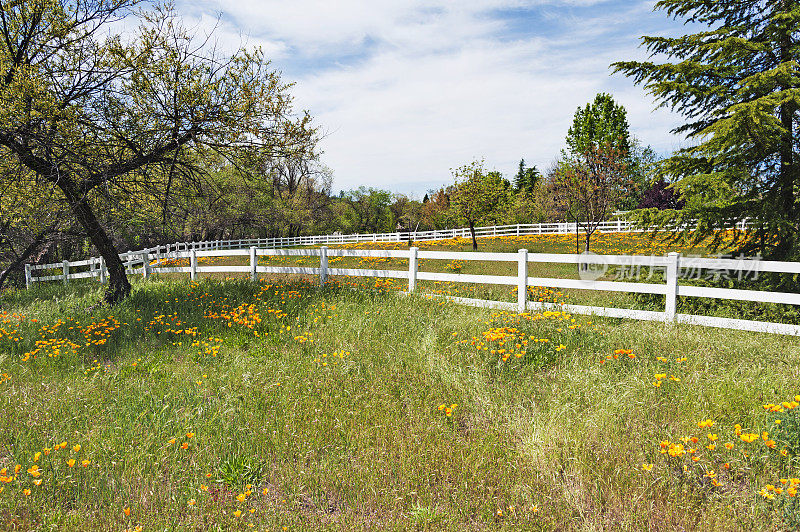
{"points": [[118, 285], [7, 272], [472, 232]]}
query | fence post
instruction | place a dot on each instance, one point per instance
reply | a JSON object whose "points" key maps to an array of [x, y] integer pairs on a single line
{"points": [[412, 268], [253, 264], [27, 276], [145, 264], [673, 262], [323, 265], [522, 280], [103, 271], [192, 264], [66, 271]]}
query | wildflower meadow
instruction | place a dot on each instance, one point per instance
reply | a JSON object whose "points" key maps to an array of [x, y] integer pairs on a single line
{"points": [[227, 404]]}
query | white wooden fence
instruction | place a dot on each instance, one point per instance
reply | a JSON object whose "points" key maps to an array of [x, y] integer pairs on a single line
{"points": [[134, 257], [615, 226], [148, 262]]}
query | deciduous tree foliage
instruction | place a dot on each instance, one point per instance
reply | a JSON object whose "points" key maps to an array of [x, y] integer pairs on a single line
{"points": [[602, 122], [436, 212], [369, 209], [737, 83], [479, 196], [87, 110]]}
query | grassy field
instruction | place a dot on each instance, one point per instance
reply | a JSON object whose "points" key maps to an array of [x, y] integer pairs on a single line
{"points": [[279, 405]]}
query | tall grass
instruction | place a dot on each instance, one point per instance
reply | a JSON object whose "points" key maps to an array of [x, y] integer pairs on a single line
{"points": [[320, 408]]}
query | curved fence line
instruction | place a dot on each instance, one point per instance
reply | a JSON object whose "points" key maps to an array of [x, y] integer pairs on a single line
{"points": [[672, 265], [131, 258]]}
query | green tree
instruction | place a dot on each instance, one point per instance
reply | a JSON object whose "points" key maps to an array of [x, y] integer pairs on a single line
{"points": [[26, 229], [479, 196], [737, 82], [370, 207], [526, 178], [93, 114], [602, 122]]}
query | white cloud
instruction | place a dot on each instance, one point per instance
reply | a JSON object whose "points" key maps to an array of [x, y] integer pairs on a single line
{"points": [[407, 90]]}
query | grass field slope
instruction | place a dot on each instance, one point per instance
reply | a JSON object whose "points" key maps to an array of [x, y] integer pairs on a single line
{"points": [[226, 404]]}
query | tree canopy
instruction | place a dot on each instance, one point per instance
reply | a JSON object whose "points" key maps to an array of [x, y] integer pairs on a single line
{"points": [[586, 188], [602, 122], [92, 113], [526, 178], [737, 83], [479, 196]]}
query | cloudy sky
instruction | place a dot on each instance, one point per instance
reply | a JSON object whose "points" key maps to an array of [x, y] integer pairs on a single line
{"points": [[405, 90]]}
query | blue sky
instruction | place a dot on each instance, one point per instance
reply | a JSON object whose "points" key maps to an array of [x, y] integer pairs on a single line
{"points": [[406, 90]]}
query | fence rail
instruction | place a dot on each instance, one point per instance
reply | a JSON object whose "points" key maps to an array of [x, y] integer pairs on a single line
{"points": [[133, 258], [153, 261]]}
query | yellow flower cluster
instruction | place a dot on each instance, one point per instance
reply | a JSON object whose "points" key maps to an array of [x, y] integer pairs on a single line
{"points": [[784, 406], [43, 465], [246, 315], [698, 457], [662, 377], [447, 410], [625, 354], [51, 347], [97, 333], [788, 486], [323, 359], [455, 266], [509, 341], [603, 243]]}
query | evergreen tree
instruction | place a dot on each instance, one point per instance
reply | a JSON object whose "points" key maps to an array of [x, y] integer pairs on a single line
{"points": [[737, 82], [519, 179], [526, 178]]}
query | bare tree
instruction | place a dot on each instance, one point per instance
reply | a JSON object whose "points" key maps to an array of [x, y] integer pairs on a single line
{"points": [[587, 188]]}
